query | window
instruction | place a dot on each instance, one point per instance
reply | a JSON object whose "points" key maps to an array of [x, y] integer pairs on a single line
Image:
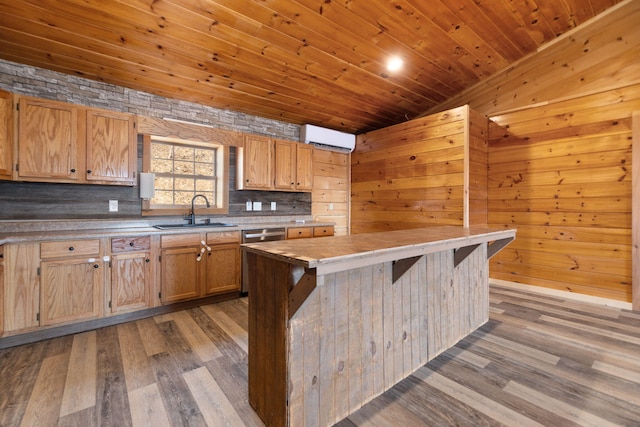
{"points": [[183, 169]]}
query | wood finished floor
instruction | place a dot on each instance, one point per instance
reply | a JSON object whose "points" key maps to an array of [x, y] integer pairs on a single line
{"points": [[539, 361]]}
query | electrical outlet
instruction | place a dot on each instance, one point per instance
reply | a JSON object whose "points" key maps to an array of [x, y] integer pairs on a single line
{"points": [[330, 206], [249, 206], [273, 206], [113, 206], [257, 206]]}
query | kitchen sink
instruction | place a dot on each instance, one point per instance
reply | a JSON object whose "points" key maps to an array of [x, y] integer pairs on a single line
{"points": [[203, 224]]}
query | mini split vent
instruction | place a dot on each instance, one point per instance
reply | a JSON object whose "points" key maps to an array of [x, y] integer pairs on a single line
{"points": [[327, 139]]}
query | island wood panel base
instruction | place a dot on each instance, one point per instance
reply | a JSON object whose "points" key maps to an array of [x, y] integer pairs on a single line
{"points": [[357, 334]]}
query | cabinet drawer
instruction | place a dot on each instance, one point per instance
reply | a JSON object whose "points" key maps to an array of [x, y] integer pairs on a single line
{"points": [[223, 237], [68, 248], [130, 244], [299, 232], [323, 231], [178, 240]]}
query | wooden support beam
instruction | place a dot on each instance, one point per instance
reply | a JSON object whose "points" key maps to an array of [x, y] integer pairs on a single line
{"points": [[462, 253], [301, 291], [496, 246], [402, 265]]}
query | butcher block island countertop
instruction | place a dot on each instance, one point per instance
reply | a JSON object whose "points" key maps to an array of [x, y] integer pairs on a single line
{"points": [[335, 322]]}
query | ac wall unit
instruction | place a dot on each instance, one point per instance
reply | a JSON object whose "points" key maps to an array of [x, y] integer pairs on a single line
{"points": [[327, 139]]}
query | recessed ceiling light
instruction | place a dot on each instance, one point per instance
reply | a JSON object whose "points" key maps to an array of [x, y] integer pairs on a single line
{"points": [[394, 63]]}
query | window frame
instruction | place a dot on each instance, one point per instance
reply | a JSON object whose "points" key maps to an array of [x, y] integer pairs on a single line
{"points": [[222, 177]]}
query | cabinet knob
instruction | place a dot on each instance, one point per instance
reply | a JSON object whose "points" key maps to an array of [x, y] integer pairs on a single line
{"points": [[95, 266], [73, 170], [88, 170], [131, 243], [71, 248], [147, 260]]}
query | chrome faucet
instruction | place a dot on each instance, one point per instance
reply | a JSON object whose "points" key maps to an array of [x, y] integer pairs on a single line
{"points": [[193, 210]]}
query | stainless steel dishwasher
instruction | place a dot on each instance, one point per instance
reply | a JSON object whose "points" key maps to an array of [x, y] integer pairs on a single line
{"points": [[257, 235]]}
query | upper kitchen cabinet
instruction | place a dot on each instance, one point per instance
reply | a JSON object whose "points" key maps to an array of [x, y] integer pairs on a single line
{"points": [[255, 163], [293, 166], [6, 135], [111, 147], [48, 141], [267, 164], [61, 142]]}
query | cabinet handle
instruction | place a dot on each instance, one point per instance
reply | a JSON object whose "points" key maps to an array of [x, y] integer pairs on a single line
{"points": [[71, 248], [95, 266], [131, 243], [88, 170], [73, 170], [147, 260]]}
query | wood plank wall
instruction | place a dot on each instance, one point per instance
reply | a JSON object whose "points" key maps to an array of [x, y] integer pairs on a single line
{"points": [[428, 171], [561, 174], [476, 168], [331, 184], [409, 175], [558, 175]]}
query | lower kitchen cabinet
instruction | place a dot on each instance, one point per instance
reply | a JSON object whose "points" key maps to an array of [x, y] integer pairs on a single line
{"points": [[71, 281], [1, 290], [180, 274], [306, 232], [22, 286], [194, 265], [223, 262], [70, 289], [131, 274]]}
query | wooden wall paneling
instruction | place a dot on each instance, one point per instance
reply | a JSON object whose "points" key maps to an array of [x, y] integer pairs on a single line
{"points": [[428, 171], [635, 278], [331, 189], [561, 174]]}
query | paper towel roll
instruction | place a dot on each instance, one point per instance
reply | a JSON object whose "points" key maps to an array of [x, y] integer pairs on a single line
{"points": [[147, 187]]}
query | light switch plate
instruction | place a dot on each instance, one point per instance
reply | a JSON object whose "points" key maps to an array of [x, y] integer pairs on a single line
{"points": [[273, 206], [257, 206], [113, 206], [249, 206]]}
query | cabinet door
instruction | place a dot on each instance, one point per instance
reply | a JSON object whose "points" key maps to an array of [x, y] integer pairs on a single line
{"points": [[1, 299], [6, 135], [69, 290], [130, 281], [22, 287], [304, 167], [48, 140], [180, 274], [285, 163], [223, 269], [256, 163], [111, 147]]}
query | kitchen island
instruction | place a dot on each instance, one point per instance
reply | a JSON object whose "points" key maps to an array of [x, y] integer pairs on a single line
{"points": [[336, 322]]}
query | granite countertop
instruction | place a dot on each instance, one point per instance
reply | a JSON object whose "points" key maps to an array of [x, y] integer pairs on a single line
{"points": [[28, 231], [359, 250]]}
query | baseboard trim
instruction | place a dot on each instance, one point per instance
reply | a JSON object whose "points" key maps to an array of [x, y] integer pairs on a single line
{"points": [[563, 294]]}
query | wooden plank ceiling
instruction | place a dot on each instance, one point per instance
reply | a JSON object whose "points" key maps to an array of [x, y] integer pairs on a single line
{"points": [[300, 61]]}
